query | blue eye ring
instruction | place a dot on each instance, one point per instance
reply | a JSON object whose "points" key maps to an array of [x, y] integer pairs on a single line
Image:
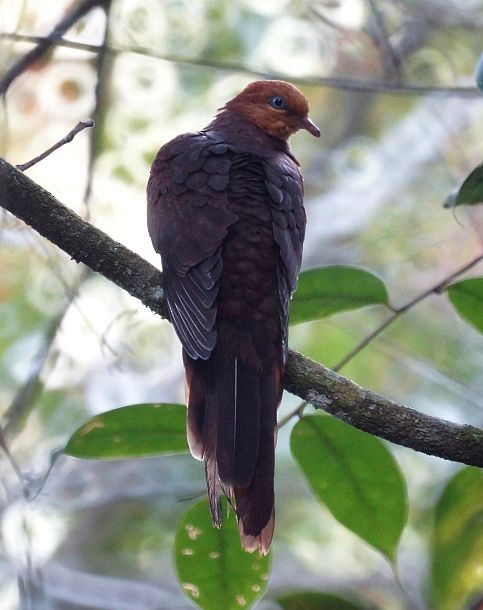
{"points": [[277, 102]]}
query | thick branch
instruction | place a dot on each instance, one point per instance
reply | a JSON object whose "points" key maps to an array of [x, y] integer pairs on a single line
{"points": [[378, 415], [309, 380], [83, 242]]}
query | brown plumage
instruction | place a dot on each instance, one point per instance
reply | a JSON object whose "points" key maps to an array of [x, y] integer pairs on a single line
{"points": [[225, 211]]}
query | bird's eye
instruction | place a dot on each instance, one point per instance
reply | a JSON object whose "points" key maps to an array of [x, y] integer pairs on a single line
{"points": [[277, 102]]}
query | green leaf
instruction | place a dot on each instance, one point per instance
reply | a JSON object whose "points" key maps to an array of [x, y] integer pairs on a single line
{"points": [[134, 431], [213, 570], [355, 476], [457, 546], [316, 601], [467, 298], [327, 290], [470, 192]]}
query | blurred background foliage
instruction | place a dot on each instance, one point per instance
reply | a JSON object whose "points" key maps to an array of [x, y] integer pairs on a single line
{"points": [[72, 345]]}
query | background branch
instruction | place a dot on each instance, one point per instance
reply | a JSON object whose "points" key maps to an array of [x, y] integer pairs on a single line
{"points": [[343, 84], [311, 381], [390, 59], [99, 94], [397, 312], [43, 45]]}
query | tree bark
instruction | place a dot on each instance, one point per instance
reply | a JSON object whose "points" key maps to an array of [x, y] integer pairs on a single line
{"points": [[309, 380]]}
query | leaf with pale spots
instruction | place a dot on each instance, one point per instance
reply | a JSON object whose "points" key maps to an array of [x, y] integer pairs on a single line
{"points": [[213, 570], [130, 432]]}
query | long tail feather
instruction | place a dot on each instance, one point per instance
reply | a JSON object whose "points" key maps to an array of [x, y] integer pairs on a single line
{"points": [[255, 503], [238, 428], [232, 405]]}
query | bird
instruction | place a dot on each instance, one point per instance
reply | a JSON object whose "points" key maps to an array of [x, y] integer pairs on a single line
{"points": [[225, 212]]}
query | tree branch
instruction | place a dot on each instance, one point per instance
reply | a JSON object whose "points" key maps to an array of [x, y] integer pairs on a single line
{"points": [[363, 409], [311, 381], [48, 42], [65, 140], [397, 312], [100, 95], [82, 241], [390, 59], [333, 82]]}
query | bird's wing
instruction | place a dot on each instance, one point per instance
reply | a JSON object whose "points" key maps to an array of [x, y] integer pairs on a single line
{"points": [[188, 219], [285, 187]]}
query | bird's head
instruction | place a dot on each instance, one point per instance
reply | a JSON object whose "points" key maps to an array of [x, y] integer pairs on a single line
{"points": [[276, 107]]}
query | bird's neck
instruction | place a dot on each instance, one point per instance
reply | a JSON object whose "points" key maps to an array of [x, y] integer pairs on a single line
{"points": [[235, 129]]}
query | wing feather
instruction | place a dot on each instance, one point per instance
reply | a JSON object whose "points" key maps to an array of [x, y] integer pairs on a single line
{"points": [[188, 219], [285, 186]]}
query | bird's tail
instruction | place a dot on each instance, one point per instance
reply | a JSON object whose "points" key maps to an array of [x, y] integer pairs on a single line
{"points": [[232, 426]]}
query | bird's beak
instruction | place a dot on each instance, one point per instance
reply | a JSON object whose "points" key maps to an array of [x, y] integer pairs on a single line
{"points": [[311, 127]]}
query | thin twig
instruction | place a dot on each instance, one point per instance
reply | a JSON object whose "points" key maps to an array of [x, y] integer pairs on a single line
{"points": [[312, 382], [296, 412], [319, 14], [30, 494], [345, 84], [44, 44], [65, 140], [436, 289]]}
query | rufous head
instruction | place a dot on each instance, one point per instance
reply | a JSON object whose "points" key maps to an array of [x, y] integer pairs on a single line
{"points": [[276, 107]]}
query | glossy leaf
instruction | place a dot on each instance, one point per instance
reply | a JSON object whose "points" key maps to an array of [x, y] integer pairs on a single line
{"points": [[457, 547], [470, 192], [467, 298], [213, 570], [328, 290], [355, 476], [134, 431], [316, 601]]}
